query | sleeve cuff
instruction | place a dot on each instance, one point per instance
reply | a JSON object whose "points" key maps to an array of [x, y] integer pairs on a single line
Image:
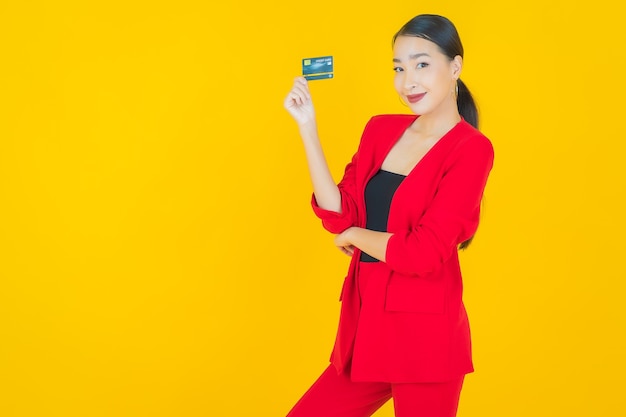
{"points": [[331, 220]]}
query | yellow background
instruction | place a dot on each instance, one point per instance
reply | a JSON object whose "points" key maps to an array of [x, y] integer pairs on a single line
{"points": [[158, 255]]}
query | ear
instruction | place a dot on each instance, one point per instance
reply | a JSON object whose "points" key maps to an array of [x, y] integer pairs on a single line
{"points": [[457, 65]]}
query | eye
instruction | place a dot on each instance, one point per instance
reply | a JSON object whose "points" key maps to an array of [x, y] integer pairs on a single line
{"points": [[422, 65], [397, 69]]}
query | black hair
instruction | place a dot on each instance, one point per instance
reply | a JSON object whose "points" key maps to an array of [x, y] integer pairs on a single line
{"points": [[443, 33]]}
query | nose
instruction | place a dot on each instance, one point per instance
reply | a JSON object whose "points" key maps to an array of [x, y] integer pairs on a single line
{"points": [[410, 81]]}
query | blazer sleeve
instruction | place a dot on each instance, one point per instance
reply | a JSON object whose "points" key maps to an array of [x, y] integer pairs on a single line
{"points": [[451, 218], [338, 222]]}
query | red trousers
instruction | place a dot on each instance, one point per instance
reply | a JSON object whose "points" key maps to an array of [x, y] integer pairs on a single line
{"points": [[335, 395]]}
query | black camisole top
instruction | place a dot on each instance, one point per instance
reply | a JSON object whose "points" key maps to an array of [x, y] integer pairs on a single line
{"points": [[378, 195]]}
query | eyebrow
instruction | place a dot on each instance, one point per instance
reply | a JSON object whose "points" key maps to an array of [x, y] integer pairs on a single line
{"points": [[414, 56]]}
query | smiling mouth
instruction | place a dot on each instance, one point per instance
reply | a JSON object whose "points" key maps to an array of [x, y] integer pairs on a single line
{"points": [[414, 98]]}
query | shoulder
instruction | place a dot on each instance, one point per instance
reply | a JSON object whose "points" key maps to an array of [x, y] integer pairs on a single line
{"points": [[469, 150], [471, 140]]}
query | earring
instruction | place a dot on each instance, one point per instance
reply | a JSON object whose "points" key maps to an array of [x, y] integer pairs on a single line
{"points": [[402, 101], [456, 89]]}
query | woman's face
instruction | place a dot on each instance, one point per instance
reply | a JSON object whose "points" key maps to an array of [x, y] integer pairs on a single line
{"points": [[425, 78]]}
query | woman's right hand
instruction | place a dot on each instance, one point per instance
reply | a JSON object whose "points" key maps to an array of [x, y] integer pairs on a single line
{"points": [[299, 104]]}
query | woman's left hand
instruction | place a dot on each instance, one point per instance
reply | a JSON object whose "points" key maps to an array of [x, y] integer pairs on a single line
{"points": [[343, 243]]}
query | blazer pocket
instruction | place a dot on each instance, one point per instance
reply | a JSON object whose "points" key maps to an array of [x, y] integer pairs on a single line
{"points": [[415, 295]]}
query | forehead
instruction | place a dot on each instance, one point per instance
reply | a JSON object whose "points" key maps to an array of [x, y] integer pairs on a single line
{"points": [[407, 46]]}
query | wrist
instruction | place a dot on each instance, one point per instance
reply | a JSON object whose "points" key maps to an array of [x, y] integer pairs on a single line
{"points": [[350, 234], [308, 129]]}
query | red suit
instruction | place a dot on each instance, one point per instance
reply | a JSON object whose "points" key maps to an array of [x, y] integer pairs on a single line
{"points": [[413, 326]]}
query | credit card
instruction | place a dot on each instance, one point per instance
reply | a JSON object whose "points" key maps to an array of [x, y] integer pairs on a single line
{"points": [[320, 68]]}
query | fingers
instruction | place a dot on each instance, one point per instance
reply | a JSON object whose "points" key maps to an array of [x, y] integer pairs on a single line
{"points": [[300, 89], [345, 252], [298, 101], [297, 98], [348, 250], [344, 245], [301, 81]]}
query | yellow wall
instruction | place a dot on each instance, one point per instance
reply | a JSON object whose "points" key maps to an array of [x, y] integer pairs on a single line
{"points": [[158, 256]]}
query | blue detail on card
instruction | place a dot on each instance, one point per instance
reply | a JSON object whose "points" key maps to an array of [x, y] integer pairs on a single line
{"points": [[318, 76], [319, 68]]}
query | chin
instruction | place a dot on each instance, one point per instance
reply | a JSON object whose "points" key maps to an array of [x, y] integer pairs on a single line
{"points": [[417, 109]]}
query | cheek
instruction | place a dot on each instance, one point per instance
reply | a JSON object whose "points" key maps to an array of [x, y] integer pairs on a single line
{"points": [[430, 80], [397, 82], [434, 82]]}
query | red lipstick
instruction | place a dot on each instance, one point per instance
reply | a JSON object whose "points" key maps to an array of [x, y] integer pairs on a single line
{"points": [[414, 98]]}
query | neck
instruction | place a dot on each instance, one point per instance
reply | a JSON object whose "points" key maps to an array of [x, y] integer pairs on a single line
{"points": [[440, 120]]}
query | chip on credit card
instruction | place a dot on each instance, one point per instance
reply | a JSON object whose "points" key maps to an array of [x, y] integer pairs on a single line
{"points": [[320, 68]]}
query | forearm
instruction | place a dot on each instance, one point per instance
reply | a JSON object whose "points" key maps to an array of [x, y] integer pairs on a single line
{"points": [[371, 242], [326, 192]]}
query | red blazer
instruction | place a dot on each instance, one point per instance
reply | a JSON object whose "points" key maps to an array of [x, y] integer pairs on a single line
{"points": [[422, 332]]}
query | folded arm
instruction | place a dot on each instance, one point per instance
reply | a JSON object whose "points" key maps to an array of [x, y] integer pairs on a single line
{"points": [[451, 218]]}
